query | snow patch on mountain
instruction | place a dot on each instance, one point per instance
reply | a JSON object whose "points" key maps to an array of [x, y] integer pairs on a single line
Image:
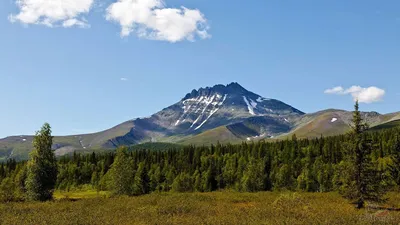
{"points": [[202, 104], [253, 103], [223, 100], [207, 101], [261, 99], [249, 106], [333, 120], [209, 116]]}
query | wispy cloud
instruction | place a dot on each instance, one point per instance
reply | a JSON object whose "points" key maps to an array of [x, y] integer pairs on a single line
{"points": [[335, 90], [151, 19], [123, 79], [52, 13], [365, 95]]}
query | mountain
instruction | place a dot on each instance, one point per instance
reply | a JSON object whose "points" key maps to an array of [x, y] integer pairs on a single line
{"points": [[333, 122], [222, 113]]}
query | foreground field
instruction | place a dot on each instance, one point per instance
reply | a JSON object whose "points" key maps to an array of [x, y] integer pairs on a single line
{"points": [[197, 208]]}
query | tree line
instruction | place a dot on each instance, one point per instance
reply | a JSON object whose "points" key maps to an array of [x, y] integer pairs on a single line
{"points": [[361, 165]]}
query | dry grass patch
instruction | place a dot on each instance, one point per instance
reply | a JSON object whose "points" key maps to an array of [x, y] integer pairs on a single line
{"points": [[200, 208]]}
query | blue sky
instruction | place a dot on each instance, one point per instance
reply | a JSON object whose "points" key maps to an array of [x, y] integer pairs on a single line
{"points": [[70, 74]]}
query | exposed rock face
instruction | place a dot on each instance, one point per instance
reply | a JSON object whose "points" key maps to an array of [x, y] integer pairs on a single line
{"points": [[208, 108]]}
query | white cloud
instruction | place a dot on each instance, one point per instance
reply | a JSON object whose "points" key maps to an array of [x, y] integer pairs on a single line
{"points": [[365, 95], [75, 22], [51, 13], [124, 79], [335, 90], [152, 20]]}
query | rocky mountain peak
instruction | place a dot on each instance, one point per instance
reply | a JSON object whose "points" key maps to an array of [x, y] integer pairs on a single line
{"points": [[232, 88], [210, 107]]}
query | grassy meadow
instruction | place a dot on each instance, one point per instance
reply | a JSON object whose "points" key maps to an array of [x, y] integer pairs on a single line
{"points": [[90, 207]]}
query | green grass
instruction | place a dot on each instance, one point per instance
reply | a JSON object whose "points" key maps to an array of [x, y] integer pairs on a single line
{"points": [[59, 195], [220, 134], [320, 125], [198, 208], [388, 125]]}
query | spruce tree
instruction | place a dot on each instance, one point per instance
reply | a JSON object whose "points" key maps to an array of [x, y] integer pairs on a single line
{"points": [[42, 167], [363, 181]]}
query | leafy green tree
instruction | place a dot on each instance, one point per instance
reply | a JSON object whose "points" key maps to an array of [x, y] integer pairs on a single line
{"points": [[253, 177], [7, 187], [197, 181], [95, 180], [239, 172], [169, 178], [141, 184], [156, 178], [306, 180], [2, 172], [122, 173], [284, 178], [106, 183], [209, 183], [183, 183], [229, 170], [395, 167], [42, 167], [19, 181]]}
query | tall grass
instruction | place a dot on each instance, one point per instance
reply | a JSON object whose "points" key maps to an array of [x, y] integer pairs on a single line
{"points": [[197, 208]]}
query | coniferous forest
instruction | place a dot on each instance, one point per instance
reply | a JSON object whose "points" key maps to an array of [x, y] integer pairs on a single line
{"points": [[317, 165]]}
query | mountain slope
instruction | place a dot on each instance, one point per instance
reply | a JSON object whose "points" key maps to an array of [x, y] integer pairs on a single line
{"points": [[242, 112], [203, 110], [19, 146], [388, 125], [326, 123], [222, 113], [333, 122], [252, 128]]}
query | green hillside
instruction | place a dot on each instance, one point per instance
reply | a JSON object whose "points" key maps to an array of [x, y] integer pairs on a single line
{"points": [[388, 125], [326, 124], [18, 147], [220, 134]]}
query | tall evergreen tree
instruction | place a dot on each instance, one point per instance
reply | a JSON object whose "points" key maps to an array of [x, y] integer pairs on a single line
{"points": [[42, 167], [363, 182]]}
